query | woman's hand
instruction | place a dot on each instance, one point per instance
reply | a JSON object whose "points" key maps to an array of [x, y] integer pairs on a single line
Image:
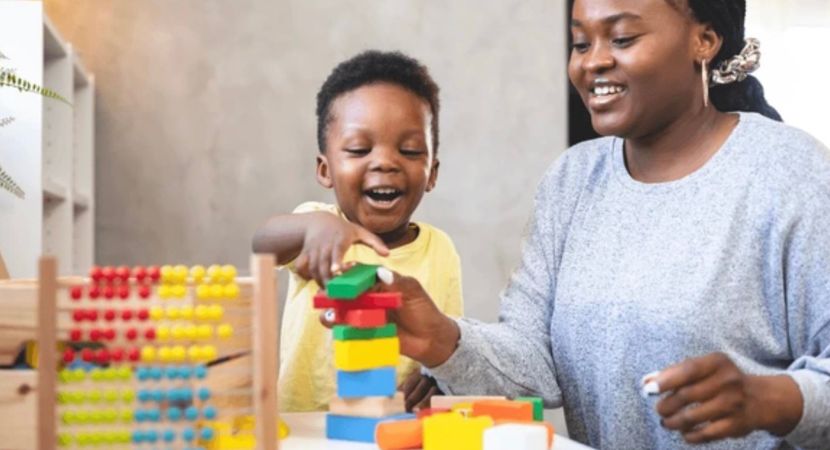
{"points": [[709, 398], [327, 239], [418, 389]]}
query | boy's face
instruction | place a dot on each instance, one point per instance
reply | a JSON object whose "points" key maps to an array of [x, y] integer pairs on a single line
{"points": [[379, 156]]}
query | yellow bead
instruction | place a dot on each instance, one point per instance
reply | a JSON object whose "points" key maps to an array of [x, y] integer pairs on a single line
{"points": [[203, 291], [166, 274], [156, 313], [65, 376], [164, 354], [216, 291], [179, 353], [194, 353], [204, 332], [163, 333], [228, 273], [214, 272], [172, 312], [197, 273], [224, 331], [93, 396], [180, 274], [208, 352], [201, 312], [190, 332], [231, 291], [177, 332], [110, 395], [215, 312], [186, 312], [178, 291], [148, 353], [163, 291]]}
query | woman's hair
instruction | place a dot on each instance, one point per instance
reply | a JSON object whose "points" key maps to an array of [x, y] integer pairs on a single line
{"points": [[727, 19]]}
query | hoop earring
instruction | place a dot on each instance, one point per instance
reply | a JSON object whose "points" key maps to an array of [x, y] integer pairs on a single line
{"points": [[704, 73]]}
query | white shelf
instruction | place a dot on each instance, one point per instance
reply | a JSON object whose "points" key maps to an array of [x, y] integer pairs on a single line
{"points": [[80, 201], [54, 191]]}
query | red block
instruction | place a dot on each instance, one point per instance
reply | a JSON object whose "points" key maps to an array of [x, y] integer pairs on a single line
{"points": [[369, 300], [363, 318]]}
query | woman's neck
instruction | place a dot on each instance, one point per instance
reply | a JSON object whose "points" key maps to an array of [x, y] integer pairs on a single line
{"points": [[679, 148]]}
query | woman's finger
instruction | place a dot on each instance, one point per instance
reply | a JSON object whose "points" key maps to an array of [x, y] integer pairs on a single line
{"points": [[689, 371], [418, 393], [699, 392], [425, 402], [715, 431], [691, 417]]}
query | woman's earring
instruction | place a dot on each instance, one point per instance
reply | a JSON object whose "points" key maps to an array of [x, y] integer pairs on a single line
{"points": [[704, 72]]}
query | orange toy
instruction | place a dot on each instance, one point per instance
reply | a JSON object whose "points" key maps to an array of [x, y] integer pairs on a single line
{"points": [[504, 410], [400, 434]]}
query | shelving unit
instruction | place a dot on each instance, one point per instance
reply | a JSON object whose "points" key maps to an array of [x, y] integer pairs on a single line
{"points": [[50, 147]]}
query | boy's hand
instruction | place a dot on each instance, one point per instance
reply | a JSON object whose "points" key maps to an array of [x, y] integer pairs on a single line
{"points": [[327, 239], [418, 389]]}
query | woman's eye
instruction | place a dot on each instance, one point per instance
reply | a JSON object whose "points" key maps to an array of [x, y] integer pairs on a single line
{"points": [[623, 42], [580, 47]]}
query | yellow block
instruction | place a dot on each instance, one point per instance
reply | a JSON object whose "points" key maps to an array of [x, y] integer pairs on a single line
{"points": [[365, 355], [452, 431]]}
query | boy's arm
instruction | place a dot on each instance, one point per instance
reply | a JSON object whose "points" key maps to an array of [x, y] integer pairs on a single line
{"points": [[283, 235]]}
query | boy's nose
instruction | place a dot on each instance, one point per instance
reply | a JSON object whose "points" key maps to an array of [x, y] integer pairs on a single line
{"points": [[384, 160]]}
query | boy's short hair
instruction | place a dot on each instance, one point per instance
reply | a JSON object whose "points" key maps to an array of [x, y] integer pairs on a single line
{"points": [[375, 66]]}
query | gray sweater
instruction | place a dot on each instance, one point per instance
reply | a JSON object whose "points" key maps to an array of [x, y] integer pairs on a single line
{"points": [[620, 278]]}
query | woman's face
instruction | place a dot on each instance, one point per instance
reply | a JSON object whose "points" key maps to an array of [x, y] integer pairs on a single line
{"points": [[633, 64]]}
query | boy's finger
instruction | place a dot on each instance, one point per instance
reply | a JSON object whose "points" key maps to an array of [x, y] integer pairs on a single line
{"points": [[367, 237], [324, 265], [338, 252]]}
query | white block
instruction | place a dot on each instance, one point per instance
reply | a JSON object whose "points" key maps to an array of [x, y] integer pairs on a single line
{"points": [[516, 436]]}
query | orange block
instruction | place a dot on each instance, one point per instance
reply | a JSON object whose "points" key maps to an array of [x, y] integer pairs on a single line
{"points": [[503, 410], [549, 426], [400, 434]]}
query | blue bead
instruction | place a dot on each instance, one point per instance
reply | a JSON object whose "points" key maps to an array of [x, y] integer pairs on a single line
{"points": [[145, 395], [156, 373], [140, 415], [174, 414], [169, 435], [207, 433], [142, 374], [185, 372], [204, 394], [191, 413], [158, 395], [188, 434], [154, 415], [172, 373], [185, 394], [151, 435], [200, 372], [138, 436], [209, 412]]}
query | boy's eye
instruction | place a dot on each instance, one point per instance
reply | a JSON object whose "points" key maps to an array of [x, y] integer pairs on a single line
{"points": [[412, 152], [358, 151]]}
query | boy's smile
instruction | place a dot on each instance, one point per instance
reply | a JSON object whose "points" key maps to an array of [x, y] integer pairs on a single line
{"points": [[379, 158]]}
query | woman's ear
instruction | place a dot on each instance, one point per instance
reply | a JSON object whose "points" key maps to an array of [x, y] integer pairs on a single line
{"points": [[323, 172], [707, 43], [433, 175]]}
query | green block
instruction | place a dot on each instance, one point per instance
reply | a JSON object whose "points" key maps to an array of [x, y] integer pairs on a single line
{"points": [[352, 283], [347, 333], [538, 407]]}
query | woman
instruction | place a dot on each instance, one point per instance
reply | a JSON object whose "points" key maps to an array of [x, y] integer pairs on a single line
{"points": [[693, 240]]}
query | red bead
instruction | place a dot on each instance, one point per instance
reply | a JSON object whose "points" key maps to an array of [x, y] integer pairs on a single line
{"points": [[144, 291], [109, 334], [78, 315], [123, 273], [108, 273], [140, 273], [103, 356], [87, 354], [109, 315], [94, 292], [95, 334], [154, 272], [127, 315], [95, 273], [91, 315], [76, 292], [75, 334], [109, 292], [124, 292], [150, 334], [133, 354], [68, 355], [143, 314], [117, 354], [131, 334]]}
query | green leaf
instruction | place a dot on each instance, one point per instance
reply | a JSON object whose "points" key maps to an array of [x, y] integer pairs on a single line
{"points": [[7, 78], [8, 184]]}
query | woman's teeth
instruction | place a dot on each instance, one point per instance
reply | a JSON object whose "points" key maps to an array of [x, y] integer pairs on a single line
{"points": [[607, 90]]}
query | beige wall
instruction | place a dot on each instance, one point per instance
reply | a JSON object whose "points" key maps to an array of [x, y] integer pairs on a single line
{"points": [[205, 117]]}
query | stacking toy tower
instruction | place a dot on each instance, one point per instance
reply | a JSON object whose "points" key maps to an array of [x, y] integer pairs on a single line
{"points": [[366, 353]]}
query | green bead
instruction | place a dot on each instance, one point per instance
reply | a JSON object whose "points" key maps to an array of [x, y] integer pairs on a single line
{"points": [[96, 438], [78, 397], [81, 417], [82, 439], [68, 417], [64, 397], [64, 439], [65, 376], [127, 395]]}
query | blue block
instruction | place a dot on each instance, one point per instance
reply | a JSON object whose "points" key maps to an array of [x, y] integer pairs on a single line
{"points": [[357, 429], [366, 383]]}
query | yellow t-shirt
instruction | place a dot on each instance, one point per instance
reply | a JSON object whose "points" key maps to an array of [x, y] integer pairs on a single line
{"points": [[306, 353]]}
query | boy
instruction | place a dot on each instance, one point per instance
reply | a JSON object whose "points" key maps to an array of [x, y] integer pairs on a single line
{"points": [[377, 133]]}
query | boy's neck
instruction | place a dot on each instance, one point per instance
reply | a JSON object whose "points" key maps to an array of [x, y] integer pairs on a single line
{"points": [[400, 236]]}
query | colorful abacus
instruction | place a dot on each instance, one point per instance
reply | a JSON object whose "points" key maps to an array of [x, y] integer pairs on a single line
{"points": [[143, 346]]}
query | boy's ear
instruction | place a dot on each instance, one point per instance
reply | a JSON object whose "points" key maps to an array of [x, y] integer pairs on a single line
{"points": [[323, 173], [433, 175]]}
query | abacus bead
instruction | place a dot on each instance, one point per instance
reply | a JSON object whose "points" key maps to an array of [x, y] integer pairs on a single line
{"points": [[214, 272], [201, 312], [68, 355], [200, 372], [203, 291], [127, 395], [109, 334], [178, 291], [154, 273], [186, 312], [178, 353], [95, 334], [174, 414], [131, 334], [190, 332], [138, 436], [173, 312], [169, 435], [108, 273], [144, 291], [156, 313], [154, 415], [109, 292], [204, 332], [102, 356], [110, 395], [163, 333], [224, 331], [94, 292], [185, 372], [68, 417], [140, 273], [93, 396], [209, 412], [123, 273], [140, 415], [216, 291], [65, 439], [209, 352], [134, 354], [188, 434], [78, 315], [124, 292], [231, 291], [228, 272], [127, 315], [197, 273], [194, 353], [177, 332], [204, 394], [117, 354], [75, 334], [166, 273], [191, 413], [96, 374], [151, 436], [95, 273], [91, 315], [150, 334], [215, 312], [206, 433], [78, 374], [156, 373], [76, 292], [109, 315], [87, 354], [143, 314], [180, 274], [148, 353]]}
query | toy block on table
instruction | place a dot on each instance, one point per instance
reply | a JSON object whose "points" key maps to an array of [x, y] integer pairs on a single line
{"points": [[368, 406], [513, 436], [369, 300], [352, 283], [426, 412], [452, 431], [357, 429], [503, 410], [347, 333], [364, 318], [538, 406], [447, 401], [400, 434], [365, 355], [366, 383], [548, 426]]}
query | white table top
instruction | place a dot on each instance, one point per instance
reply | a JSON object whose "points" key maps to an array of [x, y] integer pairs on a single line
{"points": [[308, 432]]}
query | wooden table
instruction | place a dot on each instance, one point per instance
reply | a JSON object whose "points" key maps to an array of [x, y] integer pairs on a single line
{"points": [[308, 432]]}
